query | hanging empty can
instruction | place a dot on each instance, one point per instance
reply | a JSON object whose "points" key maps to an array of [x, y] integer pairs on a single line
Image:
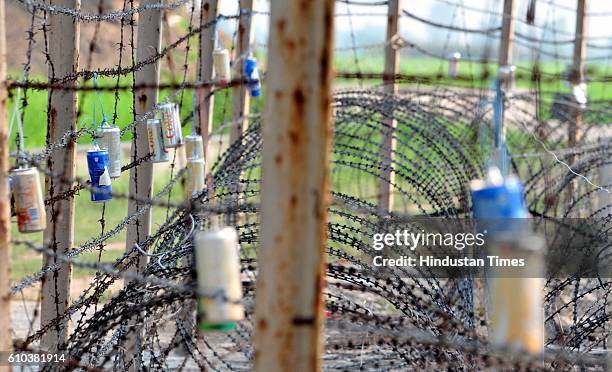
{"points": [[29, 202], [171, 125], [109, 139], [453, 65], [156, 141], [251, 71], [218, 272], [97, 163], [221, 61], [194, 147], [195, 177]]}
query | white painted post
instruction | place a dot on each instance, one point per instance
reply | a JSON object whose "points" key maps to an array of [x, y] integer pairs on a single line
{"points": [[6, 343], [387, 149], [59, 235], [297, 132]]}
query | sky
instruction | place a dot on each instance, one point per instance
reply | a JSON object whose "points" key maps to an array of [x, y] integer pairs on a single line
{"points": [[555, 20]]}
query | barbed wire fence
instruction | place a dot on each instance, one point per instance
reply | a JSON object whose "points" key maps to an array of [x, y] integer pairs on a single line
{"points": [[442, 131]]}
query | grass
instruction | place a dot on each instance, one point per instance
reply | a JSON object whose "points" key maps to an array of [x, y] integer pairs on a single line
{"points": [[87, 214]]}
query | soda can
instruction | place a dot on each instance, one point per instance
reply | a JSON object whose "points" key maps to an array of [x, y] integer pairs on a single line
{"points": [[218, 273], [171, 125], [221, 62], [109, 139], [453, 65], [156, 141], [29, 202], [195, 177], [251, 71], [97, 163], [194, 147]]}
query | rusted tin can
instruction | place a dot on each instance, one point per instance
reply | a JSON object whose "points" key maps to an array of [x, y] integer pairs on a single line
{"points": [[171, 125], [218, 273], [109, 139], [29, 202], [156, 141]]}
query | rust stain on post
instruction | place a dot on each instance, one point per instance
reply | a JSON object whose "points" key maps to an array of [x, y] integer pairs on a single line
{"points": [[295, 187]]}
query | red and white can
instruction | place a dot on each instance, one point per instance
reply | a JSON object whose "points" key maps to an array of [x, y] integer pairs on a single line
{"points": [[29, 202], [156, 141], [171, 125]]}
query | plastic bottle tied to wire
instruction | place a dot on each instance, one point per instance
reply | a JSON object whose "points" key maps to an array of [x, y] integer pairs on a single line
{"points": [[98, 165], [251, 72], [217, 266], [29, 202], [515, 293], [156, 141], [453, 65], [171, 125], [221, 62]]}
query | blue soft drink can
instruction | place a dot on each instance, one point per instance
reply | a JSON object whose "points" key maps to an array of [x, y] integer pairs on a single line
{"points": [[98, 164], [251, 71], [498, 203]]}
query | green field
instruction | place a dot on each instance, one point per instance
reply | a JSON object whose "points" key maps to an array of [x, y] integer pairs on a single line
{"points": [[87, 214]]}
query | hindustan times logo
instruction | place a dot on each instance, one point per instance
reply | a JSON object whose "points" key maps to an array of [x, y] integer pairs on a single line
{"points": [[412, 240]]}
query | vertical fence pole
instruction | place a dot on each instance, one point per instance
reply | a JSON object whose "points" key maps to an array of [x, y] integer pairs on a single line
{"points": [[577, 73], [240, 94], [295, 191], [387, 150], [59, 235], [507, 35], [209, 11], [5, 207], [141, 176]]}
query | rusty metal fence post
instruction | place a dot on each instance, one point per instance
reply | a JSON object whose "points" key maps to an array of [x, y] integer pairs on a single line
{"points": [[209, 11], [59, 235], [297, 132], [5, 207], [387, 148]]}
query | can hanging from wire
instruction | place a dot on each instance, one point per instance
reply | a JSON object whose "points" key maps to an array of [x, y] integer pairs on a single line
{"points": [[97, 164], [109, 139], [221, 62], [156, 141], [218, 272], [195, 177], [453, 65], [515, 300], [251, 71], [194, 147], [171, 125], [29, 202]]}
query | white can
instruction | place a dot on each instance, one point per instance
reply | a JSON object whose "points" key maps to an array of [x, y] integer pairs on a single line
{"points": [[453, 65], [218, 272], [156, 141], [195, 177], [29, 202], [109, 139], [171, 125], [194, 147], [221, 61]]}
